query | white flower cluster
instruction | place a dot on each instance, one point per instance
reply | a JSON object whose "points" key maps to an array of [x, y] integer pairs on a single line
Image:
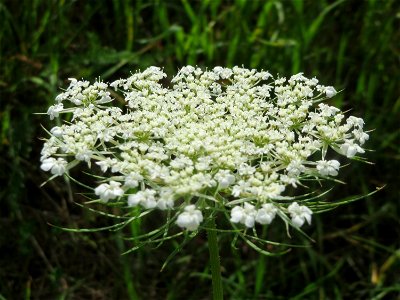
{"points": [[233, 134]]}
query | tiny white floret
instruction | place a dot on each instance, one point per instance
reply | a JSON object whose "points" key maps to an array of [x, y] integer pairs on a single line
{"points": [[330, 91], [328, 167], [245, 215], [224, 178], [145, 198], [190, 219], [350, 149], [55, 110], [55, 166], [299, 214], [109, 191], [266, 213], [57, 131]]}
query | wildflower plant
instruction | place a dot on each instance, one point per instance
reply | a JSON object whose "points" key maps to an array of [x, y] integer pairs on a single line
{"points": [[221, 143]]}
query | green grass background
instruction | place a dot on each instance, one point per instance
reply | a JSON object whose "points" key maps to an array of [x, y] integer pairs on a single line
{"points": [[352, 45]]}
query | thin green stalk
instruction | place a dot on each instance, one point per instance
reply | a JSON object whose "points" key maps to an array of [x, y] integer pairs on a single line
{"points": [[214, 260], [128, 276]]}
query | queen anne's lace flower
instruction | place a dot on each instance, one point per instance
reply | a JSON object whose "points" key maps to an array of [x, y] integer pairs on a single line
{"points": [[226, 135]]}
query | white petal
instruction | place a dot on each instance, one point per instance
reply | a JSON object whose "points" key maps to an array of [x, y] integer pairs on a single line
{"points": [[264, 217], [165, 204], [57, 131], [308, 218], [58, 169], [297, 221], [134, 200], [249, 221], [149, 203]]}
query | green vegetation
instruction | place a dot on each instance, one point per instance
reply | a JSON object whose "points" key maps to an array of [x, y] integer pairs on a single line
{"points": [[352, 45]]}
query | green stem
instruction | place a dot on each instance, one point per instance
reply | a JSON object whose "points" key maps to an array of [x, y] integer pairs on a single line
{"points": [[214, 260]]}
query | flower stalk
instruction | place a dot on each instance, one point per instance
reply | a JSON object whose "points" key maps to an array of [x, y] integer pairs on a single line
{"points": [[214, 259]]}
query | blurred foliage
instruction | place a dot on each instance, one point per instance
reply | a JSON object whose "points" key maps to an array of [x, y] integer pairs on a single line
{"points": [[353, 45]]}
